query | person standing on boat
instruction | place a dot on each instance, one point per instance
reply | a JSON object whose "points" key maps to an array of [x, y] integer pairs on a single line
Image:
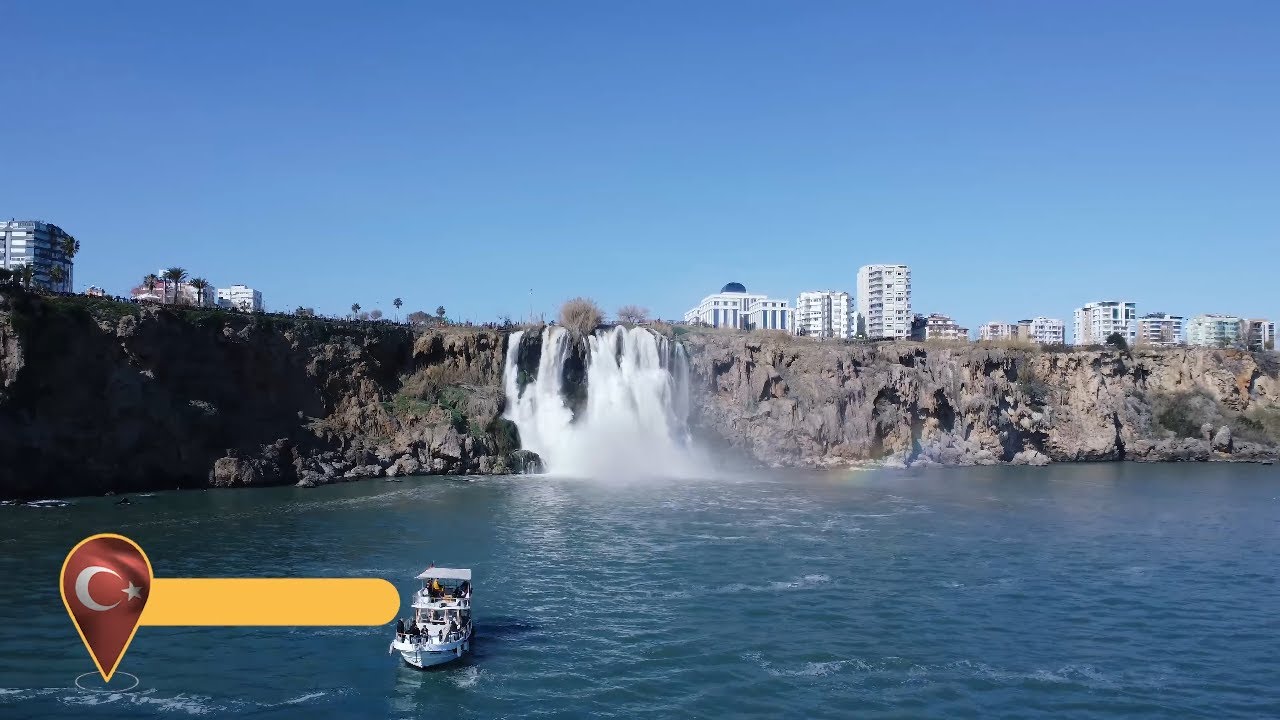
{"points": [[434, 589]]}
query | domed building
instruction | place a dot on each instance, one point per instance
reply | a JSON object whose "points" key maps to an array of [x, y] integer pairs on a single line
{"points": [[734, 307]]}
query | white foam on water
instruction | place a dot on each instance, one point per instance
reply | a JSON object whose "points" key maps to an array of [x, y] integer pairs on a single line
{"points": [[468, 677], [808, 581]]}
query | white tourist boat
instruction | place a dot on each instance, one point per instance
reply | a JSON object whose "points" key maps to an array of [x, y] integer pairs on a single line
{"points": [[439, 630]]}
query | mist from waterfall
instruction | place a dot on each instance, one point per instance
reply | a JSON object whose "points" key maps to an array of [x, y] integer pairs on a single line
{"points": [[634, 420]]}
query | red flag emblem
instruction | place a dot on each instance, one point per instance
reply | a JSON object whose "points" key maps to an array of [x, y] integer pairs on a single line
{"points": [[106, 580]]}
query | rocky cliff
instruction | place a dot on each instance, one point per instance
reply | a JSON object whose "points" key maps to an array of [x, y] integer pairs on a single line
{"points": [[795, 402], [99, 396]]}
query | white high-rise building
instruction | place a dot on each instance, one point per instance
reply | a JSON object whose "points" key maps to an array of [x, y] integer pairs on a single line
{"points": [[1216, 330], [1042, 330], [734, 307], [1097, 321], [240, 297], [825, 314], [884, 299], [1160, 329]]}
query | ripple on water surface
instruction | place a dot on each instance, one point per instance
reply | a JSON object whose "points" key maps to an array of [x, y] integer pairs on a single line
{"points": [[1087, 591]]}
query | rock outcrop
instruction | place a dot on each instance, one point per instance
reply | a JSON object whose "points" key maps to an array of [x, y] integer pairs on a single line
{"points": [[101, 396], [793, 402]]}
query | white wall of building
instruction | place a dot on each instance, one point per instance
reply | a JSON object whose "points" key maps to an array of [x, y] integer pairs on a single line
{"points": [[884, 299], [1260, 334], [733, 308], [1043, 330], [1214, 330], [1096, 321], [770, 314], [240, 297], [937, 327], [998, 331], [825, 314], [1161, 329]]}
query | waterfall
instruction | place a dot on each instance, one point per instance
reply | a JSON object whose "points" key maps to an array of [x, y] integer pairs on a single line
{"points": [[634, 419]]}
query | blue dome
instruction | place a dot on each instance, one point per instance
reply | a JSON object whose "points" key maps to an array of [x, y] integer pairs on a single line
{"points": [[734, 287]]}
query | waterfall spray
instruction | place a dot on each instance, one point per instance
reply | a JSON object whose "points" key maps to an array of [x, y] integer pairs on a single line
{"points": [[634, 419]]}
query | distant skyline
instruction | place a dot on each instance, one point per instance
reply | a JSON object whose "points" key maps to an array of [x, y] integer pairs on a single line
{"points": [[1022, 158]]}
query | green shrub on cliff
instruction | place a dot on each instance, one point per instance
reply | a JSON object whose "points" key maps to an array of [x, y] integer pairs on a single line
{"points": [[1183, 413]]}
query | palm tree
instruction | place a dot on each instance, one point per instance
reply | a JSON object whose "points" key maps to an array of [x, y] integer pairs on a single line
{"points": [[25, 274], [355, 309], [174, 275], [150, 282], [57, 274], [440, 311], [70, 246], [398, 303], [199, 284]]}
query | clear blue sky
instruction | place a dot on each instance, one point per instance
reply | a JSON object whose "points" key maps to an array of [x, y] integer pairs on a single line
{"points": [[1023, 157]]}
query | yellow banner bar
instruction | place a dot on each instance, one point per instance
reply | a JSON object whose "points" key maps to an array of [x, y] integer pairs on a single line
{"points": [[270, 601]]}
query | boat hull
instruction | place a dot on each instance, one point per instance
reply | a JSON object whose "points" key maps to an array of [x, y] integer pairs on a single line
{"points": [[423, 655]]}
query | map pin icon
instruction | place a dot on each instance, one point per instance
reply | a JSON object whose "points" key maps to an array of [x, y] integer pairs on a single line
{"points": [[106, 580]]}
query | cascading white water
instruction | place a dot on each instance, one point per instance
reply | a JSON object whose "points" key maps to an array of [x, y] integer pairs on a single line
{"points": [[634, 420]]}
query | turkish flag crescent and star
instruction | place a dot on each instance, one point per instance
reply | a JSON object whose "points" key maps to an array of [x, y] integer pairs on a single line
{"points": [[106, 581]]}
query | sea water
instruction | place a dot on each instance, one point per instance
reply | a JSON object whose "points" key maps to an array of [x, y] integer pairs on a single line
{"points": [[1110, 590]]}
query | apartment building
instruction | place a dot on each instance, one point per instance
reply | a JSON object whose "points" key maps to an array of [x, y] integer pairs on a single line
{"points": [[240, 297], [1260, 334], [1042, 330], [884, 299], [1097, 321], [1214, 330], [998, 331], [1161, 328], [43, 246], [937, 326], [825, 314]]}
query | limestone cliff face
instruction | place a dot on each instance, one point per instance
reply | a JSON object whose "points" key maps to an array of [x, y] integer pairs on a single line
{"points": [[791, 402], [104, 397]]}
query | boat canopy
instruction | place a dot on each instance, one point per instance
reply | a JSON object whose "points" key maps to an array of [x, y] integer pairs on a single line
{"points": [[445, 574]]}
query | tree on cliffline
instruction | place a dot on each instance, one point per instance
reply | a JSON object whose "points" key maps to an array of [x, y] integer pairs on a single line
{"points": [[376, 314], [1117, 341], [57, 274], [174, 275], [580, 315], [398, 303], [417, 317], [632, 314], [440, 311], [199, 284], [355, 308]]}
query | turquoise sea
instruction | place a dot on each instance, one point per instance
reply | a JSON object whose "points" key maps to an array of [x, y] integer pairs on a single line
{"points": [[1083, 591]]}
